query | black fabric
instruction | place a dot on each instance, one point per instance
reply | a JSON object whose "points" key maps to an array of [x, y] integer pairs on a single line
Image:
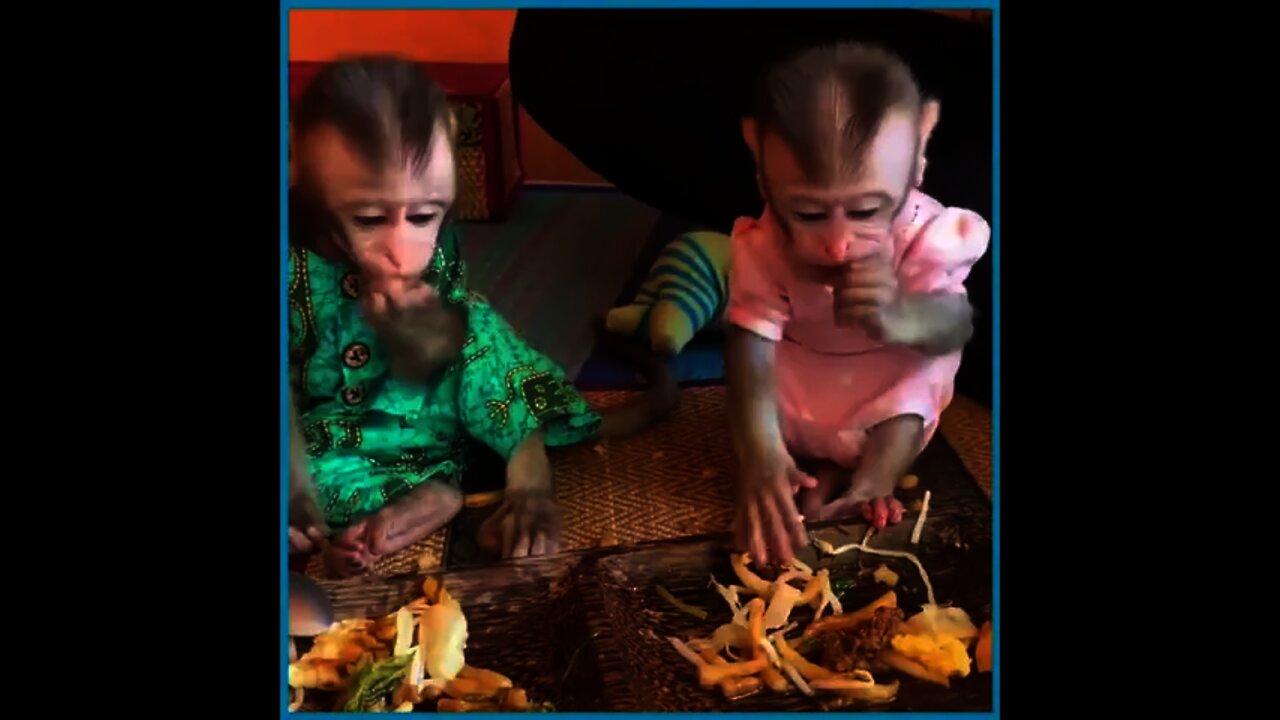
{"points": [[652, 100]]}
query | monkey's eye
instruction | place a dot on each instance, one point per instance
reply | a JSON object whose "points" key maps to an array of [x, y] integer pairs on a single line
{"points": [[810, 217], [421, 219], [862, 214], [369, 221]]}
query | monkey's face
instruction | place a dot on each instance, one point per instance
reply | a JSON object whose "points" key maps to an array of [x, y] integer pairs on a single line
{"points": [[391, 219], [833, 223]]}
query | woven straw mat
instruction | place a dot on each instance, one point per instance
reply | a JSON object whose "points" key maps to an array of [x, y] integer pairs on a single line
{"points": [[967, 427], [673, 480]]}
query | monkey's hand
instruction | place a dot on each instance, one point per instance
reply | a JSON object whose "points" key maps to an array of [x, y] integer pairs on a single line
{"points": [[933, 323], [528, 521], [863, 293], [766, 523], [877, 509], [867, 294], [307, 528], [422, 334], [890, 449]]}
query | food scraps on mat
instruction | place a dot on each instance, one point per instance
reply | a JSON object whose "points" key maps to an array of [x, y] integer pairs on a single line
{"points": [[411, 659], [680, 605], [924, 511], [835, 655]]}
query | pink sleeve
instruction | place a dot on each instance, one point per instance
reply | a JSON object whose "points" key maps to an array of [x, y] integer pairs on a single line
{"points": [[757, 301], [940, 256]]}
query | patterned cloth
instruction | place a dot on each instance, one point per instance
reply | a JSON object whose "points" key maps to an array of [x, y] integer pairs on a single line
{"points": [[373, 437]]}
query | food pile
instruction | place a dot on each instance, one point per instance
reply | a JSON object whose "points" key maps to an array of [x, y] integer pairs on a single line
{"points": [[410, 660], [833, 655]]}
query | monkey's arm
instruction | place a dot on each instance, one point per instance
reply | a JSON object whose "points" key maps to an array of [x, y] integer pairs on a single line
{"points": [[933, 313], [304, 513], [933, 323], [752, 394], [507, 391], [757, 314]]}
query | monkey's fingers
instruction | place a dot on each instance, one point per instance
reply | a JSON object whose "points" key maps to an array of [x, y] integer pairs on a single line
{"points": [[878, 295], [779, 536], [755, 533], [792, 523], [879, 513], [867, 316], [419, 294], [299, 543], [353, 537], [343, 562], [800, 479], [740, 529], [539, 545], [526, 522], [895, 510], [868, 277], [305, 513], [376, 305], [490, 533], [508, 534], [841, 508]]}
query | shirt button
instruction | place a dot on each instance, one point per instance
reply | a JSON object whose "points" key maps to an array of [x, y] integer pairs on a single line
{"points": [[351, 286], [353, 395], [356, 355]]}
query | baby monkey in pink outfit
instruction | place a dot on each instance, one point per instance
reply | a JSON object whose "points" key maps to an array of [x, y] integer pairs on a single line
{"points": [[847, 308]]}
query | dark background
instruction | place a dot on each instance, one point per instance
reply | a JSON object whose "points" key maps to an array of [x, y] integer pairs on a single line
{"points": [[658, 115], [168, 438]]}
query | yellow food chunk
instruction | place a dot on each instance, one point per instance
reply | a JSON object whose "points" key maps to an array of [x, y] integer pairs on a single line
{"points": [[982, 655], [886, 576], [941, 654]]}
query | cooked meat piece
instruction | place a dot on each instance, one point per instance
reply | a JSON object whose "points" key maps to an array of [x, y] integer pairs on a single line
{"points": [[846, 650]]}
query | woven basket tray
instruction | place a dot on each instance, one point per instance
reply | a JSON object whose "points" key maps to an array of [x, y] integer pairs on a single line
{"points": [[586, 631], [661, 680], [526, 620]]}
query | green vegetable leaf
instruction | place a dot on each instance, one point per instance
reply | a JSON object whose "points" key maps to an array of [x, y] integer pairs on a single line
{"points": [[372, 682], [680, 605], [841, 586]]}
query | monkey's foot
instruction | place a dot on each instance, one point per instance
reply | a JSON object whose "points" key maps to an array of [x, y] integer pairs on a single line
{"points": [[410, 518]]}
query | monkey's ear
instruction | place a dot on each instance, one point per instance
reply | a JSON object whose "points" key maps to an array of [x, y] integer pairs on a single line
{"points": [[929, 113], [453, 126], [751, 136]]}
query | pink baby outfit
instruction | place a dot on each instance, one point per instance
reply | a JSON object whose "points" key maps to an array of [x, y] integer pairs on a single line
{"points": [[835, 383]]}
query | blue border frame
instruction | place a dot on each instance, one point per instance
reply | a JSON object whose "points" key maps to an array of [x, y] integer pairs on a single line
{"points": [[284, 358], [287, 5]]}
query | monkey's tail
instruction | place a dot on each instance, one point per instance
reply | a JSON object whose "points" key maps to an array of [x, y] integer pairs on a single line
{"points": [[639, 413]]}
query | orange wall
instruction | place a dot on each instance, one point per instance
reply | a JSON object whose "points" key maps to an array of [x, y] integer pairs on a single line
{"points": [[479, 36], [476, 36], [439, 35]]}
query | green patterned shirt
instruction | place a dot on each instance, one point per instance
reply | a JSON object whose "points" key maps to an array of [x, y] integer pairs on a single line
{"points": [[372, 437]]}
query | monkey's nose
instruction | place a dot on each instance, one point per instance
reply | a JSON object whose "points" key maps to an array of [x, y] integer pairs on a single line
{"points": [[392, 256]]}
